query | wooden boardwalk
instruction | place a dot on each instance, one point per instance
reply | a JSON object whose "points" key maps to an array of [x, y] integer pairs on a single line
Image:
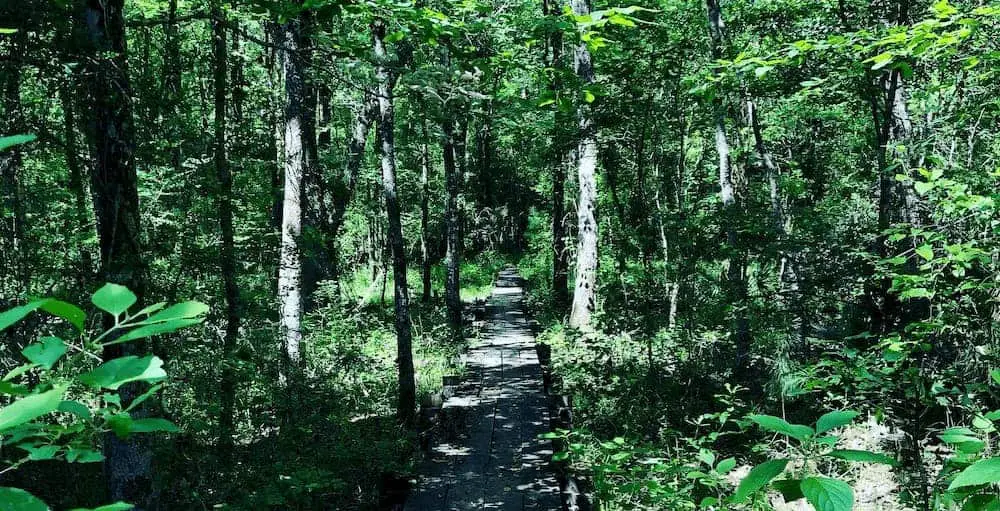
{"points": [[488, 455]]}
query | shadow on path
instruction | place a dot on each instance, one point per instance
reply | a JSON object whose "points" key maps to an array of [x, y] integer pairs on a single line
{"points": [[488, 455]]}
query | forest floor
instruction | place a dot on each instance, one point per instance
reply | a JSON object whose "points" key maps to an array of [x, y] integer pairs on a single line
{"points": [[487, 454]]}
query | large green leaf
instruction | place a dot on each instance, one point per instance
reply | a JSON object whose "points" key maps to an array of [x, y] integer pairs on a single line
{"points": [[834, 420], [180, 311], [165, 327], [123, 425], [16, 499], [758, 477], [46, 352], [113, 299], [8, 142], [981, 472], [779, 425], [117, 506], [115, 373], [30, 408], [71, 313], [862, 456], [827, 494], [76, 408], [8, 318], [790, 489]]}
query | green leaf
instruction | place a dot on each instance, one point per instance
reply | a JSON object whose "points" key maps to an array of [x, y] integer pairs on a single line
{"points": [[8, 31], [83, 456], [758, 478], [30, 408], [827, 494], [588, 96], [922, 187], [726, 465], [790, 489], [779, 425], [42, 453], [113, 299], [8, 142], [16, 499], [46, 352], [862, 456], [981, 472], [154, 329], [183, 310], [995, 375], [881, 60], [115, 373], [834, 420], [8, 318], [76, 408], [71, 313], [117, 506], [152, 426], [925, 251]]}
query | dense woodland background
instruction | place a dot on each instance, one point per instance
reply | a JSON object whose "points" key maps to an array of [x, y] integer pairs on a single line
{"points": [[734, 218]]}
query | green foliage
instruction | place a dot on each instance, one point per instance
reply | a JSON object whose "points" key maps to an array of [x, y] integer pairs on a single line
{"points": [[43, 425]]}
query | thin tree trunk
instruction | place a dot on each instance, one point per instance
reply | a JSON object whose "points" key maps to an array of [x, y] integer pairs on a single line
{"points": [[227, 251], [128, 463], [425, 192], [172, 86], [386, 125], [789, 292], [585, 292], [452, 176], [343, 189], [560, 257], [736, 289], [15, 253], [76, 182]]}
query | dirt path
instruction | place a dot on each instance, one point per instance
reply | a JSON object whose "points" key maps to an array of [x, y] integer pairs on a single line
{"points": [[488, 455]]}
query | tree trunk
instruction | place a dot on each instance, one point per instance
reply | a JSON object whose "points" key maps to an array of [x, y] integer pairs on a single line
{"points": [[453, 255], [560, 257], [290, 266], [14, 253], [386, 124], [585, 292], [425, 192], [789, 292], [172, 86], [343, 189], [128, 463], [227, 251], [735, 280], [76, 182]]}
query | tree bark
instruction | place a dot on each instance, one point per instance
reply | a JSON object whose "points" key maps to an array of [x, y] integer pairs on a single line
{"points": [[585, 292], [342, 190], [14, 253], [453, 253], [560, 257], [128, 463], [172, 85], [425, 192], [386, 125], [290, 266], [227, 251], [76, 182], [729, 182]]}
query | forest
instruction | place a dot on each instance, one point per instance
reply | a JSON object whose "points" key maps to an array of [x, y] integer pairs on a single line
{"points": [[500, 254]]}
